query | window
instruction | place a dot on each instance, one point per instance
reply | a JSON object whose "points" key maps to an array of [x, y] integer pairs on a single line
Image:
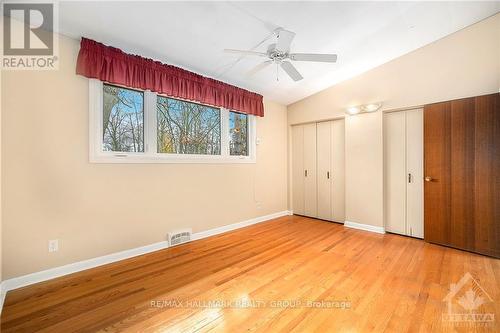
{"points": [[238, 134], [187, 128], [132, 126], [123, 119]]}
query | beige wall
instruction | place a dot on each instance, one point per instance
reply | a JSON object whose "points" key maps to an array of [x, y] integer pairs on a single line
{"points": [[463, 64], [364, 171], [51, 191]]}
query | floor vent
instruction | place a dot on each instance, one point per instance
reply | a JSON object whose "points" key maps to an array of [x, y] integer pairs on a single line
{"points": [[179, 237]]}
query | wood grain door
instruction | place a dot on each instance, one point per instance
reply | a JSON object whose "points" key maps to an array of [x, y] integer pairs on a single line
{"points": [[462, 173], [437, 165], [487, 175]]}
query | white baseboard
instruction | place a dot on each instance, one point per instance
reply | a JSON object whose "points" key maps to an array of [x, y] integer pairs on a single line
{"points": [[3, 292], [229, 227], [55, 272], [365, 227]]}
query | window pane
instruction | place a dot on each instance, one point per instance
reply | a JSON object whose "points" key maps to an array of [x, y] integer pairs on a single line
{"points": [[123, 119], [238, 134], [187, 128]]}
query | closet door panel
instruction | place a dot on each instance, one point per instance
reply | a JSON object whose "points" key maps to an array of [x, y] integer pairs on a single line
{"points": [[324, 157], [437, 170], [310, 188], [415, 167], [487, 176], [395, 172], [338, 170], [462, 158], [462, 174], [298, 169]]}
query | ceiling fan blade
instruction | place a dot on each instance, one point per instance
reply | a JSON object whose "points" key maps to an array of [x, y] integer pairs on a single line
{"points": [[291, 71], [244, 52], [259, 67], [313, 57], [285, 38]]}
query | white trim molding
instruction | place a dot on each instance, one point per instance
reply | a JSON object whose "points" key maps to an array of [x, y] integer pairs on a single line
{"points": [[55, 272], [234, 226], [365, 227], [3, 292]]}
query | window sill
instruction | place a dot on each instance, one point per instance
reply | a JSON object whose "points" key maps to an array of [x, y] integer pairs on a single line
{"points": [[173, 159]]}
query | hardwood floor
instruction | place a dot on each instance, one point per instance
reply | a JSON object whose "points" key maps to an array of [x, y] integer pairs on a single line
{"points": [[372, 283]]}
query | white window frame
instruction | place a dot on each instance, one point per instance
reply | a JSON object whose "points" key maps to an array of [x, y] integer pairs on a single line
{"points": [[150, 155]]}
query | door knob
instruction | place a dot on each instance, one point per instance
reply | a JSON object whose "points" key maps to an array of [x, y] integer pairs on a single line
{"points": [[428, 179]]}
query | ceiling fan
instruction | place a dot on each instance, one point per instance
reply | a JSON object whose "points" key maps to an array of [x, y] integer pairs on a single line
{"points": [[279, 54]]}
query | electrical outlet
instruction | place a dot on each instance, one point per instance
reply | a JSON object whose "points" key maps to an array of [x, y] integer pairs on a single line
{"points": [[259, 204], [53, 245]]}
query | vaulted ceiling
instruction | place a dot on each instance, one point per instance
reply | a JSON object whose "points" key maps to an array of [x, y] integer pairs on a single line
{"points": [[193, 35]]}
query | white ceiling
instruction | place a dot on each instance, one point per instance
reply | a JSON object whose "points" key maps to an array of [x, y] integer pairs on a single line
{"points": [[193, 35]]}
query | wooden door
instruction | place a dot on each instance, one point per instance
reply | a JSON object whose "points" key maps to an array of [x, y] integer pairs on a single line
{"points": [[310, 185], [462, 173], [462, 169], [395, 176], [487, 175], [337, 174], [298, 169], [437, 171], [324, 160], [414, 173]]}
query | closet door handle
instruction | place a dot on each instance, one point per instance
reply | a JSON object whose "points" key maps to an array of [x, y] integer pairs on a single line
{"points": [[328, 175], [409, 178], [305, 172]]}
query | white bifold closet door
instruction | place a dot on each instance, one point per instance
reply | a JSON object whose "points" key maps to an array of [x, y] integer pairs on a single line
{"points": [[304, 186], [330, 166], [338, 170], [415, 170], [403, 172], [324, 136], [310, 172], [298, 170], [318, 170]]}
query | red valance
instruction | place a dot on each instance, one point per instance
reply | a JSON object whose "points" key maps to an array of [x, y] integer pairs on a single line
{"points": [[112, 65]]}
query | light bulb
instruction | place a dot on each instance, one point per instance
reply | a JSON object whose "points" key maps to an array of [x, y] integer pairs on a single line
{"points": [[353, 110]]}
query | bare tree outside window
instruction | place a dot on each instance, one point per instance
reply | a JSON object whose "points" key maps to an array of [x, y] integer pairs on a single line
{"points": [[238, 134], [187, 128], [123, 119]]}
